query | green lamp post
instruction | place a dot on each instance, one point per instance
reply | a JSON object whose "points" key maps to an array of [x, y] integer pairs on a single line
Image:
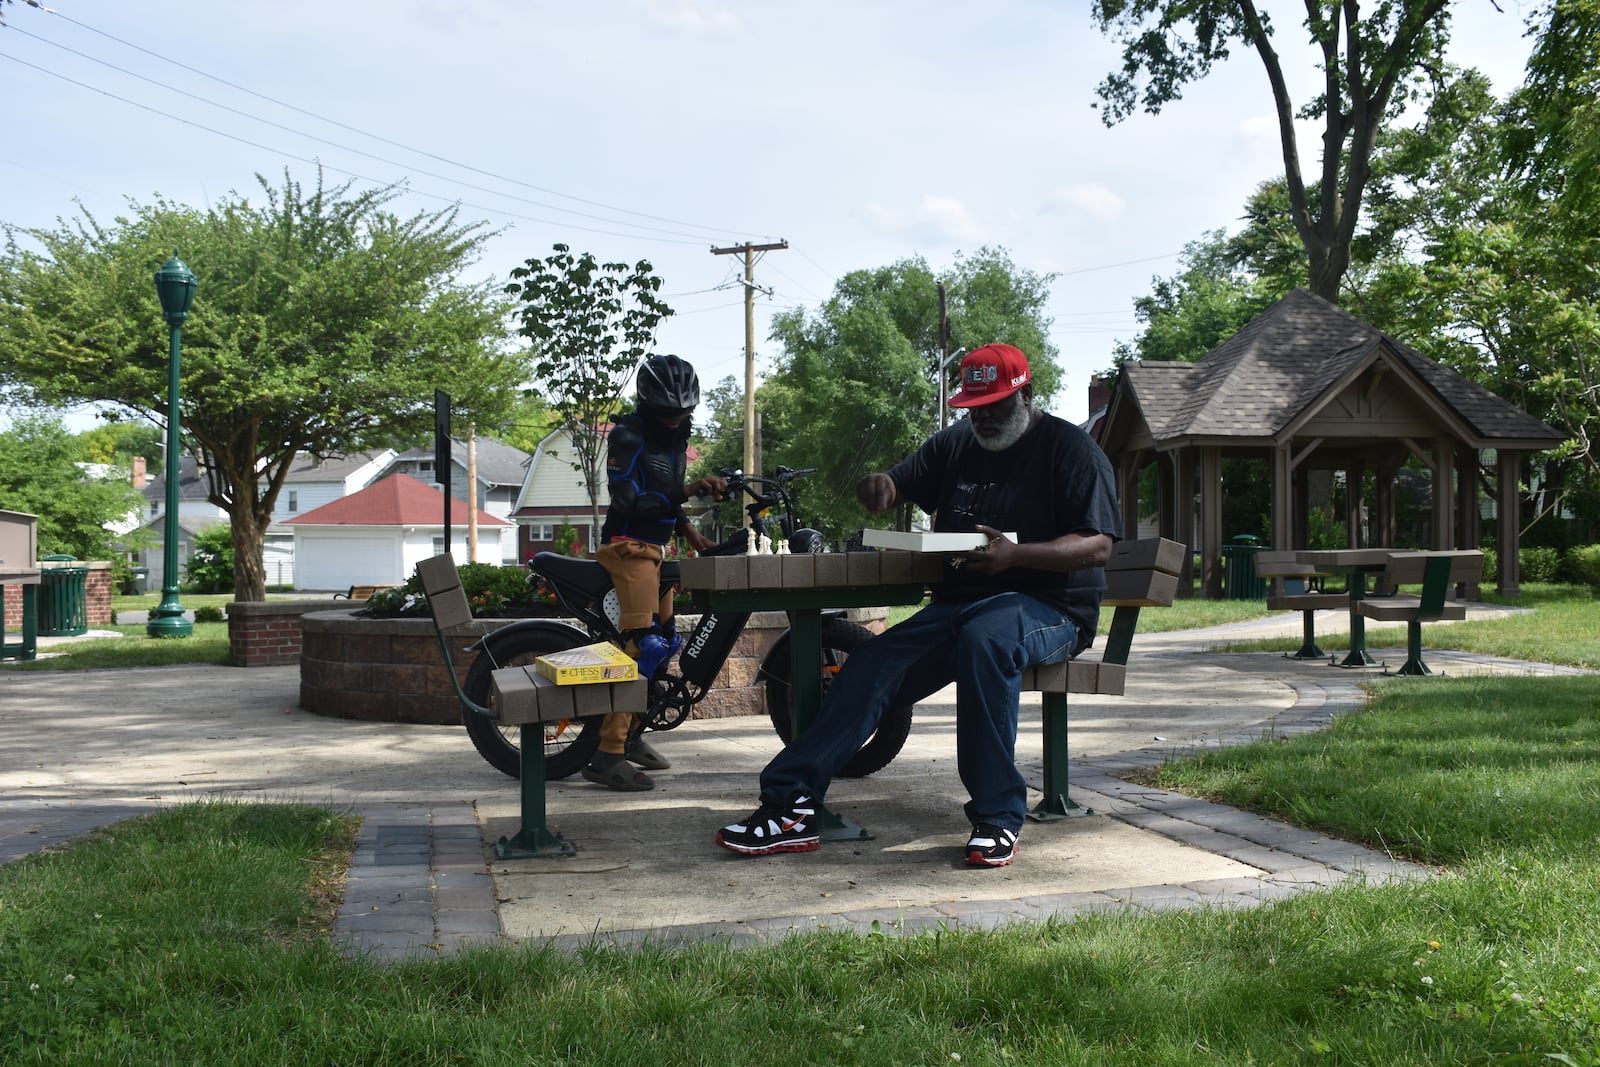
{"points": [[175, 284]]}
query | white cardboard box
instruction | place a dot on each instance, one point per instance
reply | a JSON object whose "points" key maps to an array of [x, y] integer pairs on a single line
{"points": [[926, 542]]}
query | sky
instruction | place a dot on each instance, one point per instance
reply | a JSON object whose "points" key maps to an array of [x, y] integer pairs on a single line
{"points": [[860, 132]]}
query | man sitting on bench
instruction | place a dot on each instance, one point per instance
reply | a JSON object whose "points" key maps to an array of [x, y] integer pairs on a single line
{"points": [[1000, 609]]}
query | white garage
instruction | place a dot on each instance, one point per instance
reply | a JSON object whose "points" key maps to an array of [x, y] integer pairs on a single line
{"points": [[378, 535]]}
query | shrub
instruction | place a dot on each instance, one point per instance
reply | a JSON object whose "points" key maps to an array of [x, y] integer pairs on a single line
{"points": [[492, 590], [208, 613], [1583, 564], [1491, 565], [1539, 564], [210, 569]]}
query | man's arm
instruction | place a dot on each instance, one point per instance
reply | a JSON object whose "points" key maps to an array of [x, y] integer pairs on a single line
{"points": [[877, 492], [1069, 552]]}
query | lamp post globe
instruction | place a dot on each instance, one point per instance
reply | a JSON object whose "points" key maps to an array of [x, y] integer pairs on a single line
{"points": [[175, 285]]}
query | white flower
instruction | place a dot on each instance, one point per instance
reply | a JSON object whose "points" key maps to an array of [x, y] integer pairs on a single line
{"points": [[1581, 970], [1426, 980], [69, 979], [1517, 997], [33, 987]]}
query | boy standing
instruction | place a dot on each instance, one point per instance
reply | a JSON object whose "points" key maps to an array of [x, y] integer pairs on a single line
{"points": [[646, 461]]}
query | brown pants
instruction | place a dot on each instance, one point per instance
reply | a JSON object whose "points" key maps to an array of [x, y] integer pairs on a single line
{"points": [[635, 569]]}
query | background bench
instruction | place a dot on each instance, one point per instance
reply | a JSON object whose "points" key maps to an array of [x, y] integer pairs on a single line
{"points": [[363, 592], [1438, 573], [1140, 574], [1297, 587]]}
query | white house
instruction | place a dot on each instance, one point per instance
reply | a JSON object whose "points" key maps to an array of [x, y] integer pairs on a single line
{"points": [[195, 514], [553, 495], [500, 468], [309, 484], [379, 534]]}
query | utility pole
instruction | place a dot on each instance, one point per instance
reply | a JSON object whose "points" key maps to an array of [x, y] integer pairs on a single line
{"points": [[750, 459], [472, 492]]}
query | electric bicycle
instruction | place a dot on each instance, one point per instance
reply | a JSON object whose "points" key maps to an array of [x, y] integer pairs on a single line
{"points": [[583, 589]]}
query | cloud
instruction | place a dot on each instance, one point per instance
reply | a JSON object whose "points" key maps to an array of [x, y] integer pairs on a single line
{"points": [[689, 18], [1096, 201], [938, 219]]}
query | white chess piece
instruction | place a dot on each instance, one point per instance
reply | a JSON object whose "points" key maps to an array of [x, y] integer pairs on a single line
{"points": [[752, 544], [783, 547]]}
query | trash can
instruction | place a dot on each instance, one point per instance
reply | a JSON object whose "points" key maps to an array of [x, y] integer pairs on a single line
{"points": [[137, 583], [1239, 578], [63, 598]]}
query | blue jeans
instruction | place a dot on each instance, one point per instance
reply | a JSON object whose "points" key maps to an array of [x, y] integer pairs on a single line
{"points": [[981, 645]]}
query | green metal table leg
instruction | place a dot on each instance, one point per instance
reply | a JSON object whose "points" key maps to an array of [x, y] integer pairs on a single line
{"points": [[805, 692], [533, 840]]}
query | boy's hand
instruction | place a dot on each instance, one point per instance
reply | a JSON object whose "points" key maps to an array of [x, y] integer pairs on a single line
{"points": [[712, 485]]}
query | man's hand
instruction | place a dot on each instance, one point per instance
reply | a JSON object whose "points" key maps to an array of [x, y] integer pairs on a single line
{"points": [[697, 540], [996, 556], [877, 492], [712, 485]]}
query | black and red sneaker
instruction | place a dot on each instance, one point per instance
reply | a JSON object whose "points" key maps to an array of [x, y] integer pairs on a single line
{"points": [[991, 846], [790, 826]]}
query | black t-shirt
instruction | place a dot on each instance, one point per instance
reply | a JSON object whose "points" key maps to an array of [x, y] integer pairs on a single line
{"points": [[1052, 482]]}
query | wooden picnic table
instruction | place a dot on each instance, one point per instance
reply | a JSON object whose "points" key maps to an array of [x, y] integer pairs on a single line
{"points": [[1355, 564]]}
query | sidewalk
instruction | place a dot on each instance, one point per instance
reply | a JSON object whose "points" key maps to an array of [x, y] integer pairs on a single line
{"points": [[88, 749]]}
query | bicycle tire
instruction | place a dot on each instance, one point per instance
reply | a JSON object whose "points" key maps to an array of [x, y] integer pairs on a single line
{"points": [[838, 639], [569, 743]]}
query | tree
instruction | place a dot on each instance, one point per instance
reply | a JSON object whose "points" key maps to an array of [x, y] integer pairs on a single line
{"points": [[121, 442], [592, 324], [855, 387], [322, 322], [40, 474], [1366, 64]]}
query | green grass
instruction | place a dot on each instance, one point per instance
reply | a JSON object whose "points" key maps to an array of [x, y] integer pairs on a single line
{"points": [[191, 937], [208, 643], [1568, 610], [194, 936]]}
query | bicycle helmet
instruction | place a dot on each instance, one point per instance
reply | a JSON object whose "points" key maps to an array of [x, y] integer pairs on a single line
{"points": [[667, 383]]}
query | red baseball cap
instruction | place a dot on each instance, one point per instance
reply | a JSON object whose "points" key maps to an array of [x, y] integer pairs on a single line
{"points": [[990, 373]]}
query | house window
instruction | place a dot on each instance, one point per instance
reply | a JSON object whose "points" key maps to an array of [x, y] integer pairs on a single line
{"points": [[425, 466], [438, 546], [541, 532], [294, 500], [154, 508]]}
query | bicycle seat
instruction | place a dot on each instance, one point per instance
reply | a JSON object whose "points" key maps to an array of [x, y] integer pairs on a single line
{"points": [[586, 575]]}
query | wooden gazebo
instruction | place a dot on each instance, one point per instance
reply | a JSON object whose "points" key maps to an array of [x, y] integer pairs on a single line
{"points": [[1309, 387]]}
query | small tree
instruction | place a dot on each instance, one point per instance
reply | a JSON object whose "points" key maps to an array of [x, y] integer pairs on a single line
{"points": [[40, 475], [591, 324]]}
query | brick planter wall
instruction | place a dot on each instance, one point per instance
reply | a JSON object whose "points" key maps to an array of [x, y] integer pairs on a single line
{"points": [[267, 633], [389, 670]]}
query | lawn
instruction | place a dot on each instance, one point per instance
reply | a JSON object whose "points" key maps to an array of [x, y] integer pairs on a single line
{"points": [[194, 936]]}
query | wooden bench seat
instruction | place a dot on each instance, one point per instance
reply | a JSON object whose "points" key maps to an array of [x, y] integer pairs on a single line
{"points": [[1438, 573], [362, 592], [1297, 587], [1140, 574], [521, 698]]}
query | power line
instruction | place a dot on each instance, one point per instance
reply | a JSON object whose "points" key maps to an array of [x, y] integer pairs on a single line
{"points": [[364, 133], [337, 144], [338, 170]]}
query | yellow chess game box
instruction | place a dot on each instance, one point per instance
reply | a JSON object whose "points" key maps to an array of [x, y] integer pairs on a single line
{"points": [[587, 664]]}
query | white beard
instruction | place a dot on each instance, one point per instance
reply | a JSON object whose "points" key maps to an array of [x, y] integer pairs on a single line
{"points": [[1010, 432]]}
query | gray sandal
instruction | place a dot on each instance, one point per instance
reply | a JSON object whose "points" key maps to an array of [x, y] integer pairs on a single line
{"points": [[641, 753], [620, 776]]}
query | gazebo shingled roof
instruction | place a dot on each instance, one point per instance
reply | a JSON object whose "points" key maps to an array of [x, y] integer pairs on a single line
{"points": [[1311, 385]]}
